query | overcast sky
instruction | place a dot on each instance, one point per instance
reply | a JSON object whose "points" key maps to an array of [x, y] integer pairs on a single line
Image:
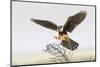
{"points": [[30, 37]]}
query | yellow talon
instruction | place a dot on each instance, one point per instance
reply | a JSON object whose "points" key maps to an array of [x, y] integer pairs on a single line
{"points": [[55, 37], [63, 37]]}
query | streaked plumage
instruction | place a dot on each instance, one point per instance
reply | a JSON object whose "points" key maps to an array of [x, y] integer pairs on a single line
{"points": [[69, 26]]}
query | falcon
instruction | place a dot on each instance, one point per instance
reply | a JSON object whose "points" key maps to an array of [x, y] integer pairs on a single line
{"points": [[71, 23]]}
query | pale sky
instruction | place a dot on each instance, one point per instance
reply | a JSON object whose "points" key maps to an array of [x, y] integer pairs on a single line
{"points": [[28, 37]]}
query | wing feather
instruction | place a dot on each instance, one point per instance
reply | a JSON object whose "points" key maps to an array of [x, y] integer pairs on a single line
{"points": [[74, 21], [45, 23]]}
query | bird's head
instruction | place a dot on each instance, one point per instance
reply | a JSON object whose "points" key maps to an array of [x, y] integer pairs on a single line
{"points": [[60, 29]]}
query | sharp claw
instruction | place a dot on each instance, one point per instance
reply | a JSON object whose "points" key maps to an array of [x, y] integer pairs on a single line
{"points": [[55, 37]]}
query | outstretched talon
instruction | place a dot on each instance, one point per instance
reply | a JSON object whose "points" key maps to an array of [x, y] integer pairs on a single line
{"points": [[58, 38], [55, 37]]}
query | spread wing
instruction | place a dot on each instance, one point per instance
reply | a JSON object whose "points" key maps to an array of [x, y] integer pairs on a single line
{"points": [[74, 21], [45, 23]]}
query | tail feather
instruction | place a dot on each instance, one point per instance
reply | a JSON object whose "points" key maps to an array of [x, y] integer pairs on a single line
{"points": [[72, 45]]}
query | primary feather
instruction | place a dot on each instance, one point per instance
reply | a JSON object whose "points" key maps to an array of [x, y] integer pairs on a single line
{"points": [[45, 23], [74, 21]]}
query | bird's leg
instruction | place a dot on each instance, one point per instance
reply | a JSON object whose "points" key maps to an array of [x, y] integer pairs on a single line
{"points": [[63, 37], [58, 37], [55, 37]]}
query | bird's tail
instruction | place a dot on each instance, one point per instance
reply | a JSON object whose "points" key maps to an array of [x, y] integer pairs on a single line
{"points": [[72, 45]]}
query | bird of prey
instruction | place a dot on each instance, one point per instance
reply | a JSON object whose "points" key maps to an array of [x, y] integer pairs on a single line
{"points": [[69, 26]]}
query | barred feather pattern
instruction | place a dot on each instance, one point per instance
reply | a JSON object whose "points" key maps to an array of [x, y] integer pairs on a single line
{"points": [[72, 45]]}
